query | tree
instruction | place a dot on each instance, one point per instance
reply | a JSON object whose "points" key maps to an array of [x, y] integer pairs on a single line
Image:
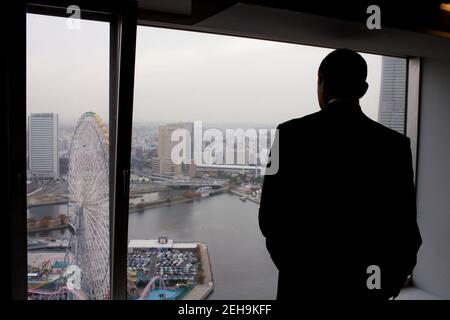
{"points": [[45, 222], [63, 218]]}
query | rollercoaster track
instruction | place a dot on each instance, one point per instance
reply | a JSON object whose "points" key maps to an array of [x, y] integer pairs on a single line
{"points": [[63, 289], [150, 286]]}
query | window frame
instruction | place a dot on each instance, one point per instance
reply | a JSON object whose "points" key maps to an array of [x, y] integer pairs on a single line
{"points": [[15, 122], [412, 86], [122, 17], [412, 108]]}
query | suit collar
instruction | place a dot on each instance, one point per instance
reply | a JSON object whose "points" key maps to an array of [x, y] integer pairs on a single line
{"points": [[342, 105]]}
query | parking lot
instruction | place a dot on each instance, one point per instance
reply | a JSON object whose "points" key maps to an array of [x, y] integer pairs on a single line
{"points": [[171, 264]]}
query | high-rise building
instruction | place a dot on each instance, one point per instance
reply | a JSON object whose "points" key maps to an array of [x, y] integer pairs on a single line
{"points": [[393, 91], [43, 145], [165, 145]]}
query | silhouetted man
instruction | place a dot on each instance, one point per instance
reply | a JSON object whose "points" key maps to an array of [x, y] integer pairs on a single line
{"points": [[339, 216]]}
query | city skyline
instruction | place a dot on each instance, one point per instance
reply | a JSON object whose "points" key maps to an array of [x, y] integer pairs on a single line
{"points": [[233, 75]]}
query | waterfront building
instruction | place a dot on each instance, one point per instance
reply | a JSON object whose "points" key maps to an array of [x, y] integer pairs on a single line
{"points": [[43, 145]]}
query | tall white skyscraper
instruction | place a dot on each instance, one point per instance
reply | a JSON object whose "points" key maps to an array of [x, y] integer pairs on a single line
{"points": [[393, 93], [43, 145]]}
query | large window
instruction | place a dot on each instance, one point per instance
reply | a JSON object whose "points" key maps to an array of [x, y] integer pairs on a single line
{"points": [[68, 208], [205, 111], [193, 230]]}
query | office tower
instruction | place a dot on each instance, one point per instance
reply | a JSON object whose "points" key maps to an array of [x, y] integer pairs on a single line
{"points": [[43, 145], [392, 94], [163, 163]]}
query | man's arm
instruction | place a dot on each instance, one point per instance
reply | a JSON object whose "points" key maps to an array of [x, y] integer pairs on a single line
{"points": [[406, 238], [271, 198]]}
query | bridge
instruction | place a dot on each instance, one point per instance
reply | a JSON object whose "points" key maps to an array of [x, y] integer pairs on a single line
{"points": [[229, 167], [170, 182], [193, 183], [42, 243]]}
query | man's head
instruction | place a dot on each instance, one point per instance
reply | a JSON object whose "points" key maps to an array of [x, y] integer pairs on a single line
{"points": [[342, 74]]}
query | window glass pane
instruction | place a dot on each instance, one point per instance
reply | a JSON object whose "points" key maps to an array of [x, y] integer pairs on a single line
{"points": [[67, 158], [193, 228]]}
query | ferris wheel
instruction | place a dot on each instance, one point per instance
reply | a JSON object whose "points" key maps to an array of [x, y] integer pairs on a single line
{"points": [[88, 201]]}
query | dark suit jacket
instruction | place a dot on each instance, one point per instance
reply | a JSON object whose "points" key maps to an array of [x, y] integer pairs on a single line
{"points": [[342, 200]]}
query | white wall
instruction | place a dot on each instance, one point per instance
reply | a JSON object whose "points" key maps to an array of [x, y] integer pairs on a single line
{"points": [[432, 272]]}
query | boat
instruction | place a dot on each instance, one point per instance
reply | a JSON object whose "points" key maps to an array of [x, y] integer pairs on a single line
{"points": [[192, 194], [204, 191]]}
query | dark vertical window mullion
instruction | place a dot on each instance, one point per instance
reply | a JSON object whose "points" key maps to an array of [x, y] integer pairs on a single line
{"points": [[113, 102], [14, 99], [123, 48]]}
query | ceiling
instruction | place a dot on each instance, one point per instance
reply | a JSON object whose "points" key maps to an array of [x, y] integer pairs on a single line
{"points": [[419, 16]]}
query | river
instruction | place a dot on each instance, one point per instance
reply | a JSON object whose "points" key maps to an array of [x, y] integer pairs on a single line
{"points": [[241, 266]]}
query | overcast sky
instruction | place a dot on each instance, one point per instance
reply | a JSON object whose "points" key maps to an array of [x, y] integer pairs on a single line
{"points": [[180, 75]]}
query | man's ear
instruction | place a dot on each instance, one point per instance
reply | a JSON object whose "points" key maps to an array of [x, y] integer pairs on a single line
{"points": [[323, 85], [363, 89]]}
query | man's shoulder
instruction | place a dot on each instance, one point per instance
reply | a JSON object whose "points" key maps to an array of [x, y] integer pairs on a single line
{"points": [[315, 120], [388, 133], [299, 122]]}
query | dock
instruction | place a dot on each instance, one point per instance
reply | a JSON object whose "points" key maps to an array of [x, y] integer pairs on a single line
{"points": [[202, 290]]}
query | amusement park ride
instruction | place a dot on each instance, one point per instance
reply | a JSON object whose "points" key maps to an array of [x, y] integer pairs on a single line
{"points": [[87, 256], [84, 274]]}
